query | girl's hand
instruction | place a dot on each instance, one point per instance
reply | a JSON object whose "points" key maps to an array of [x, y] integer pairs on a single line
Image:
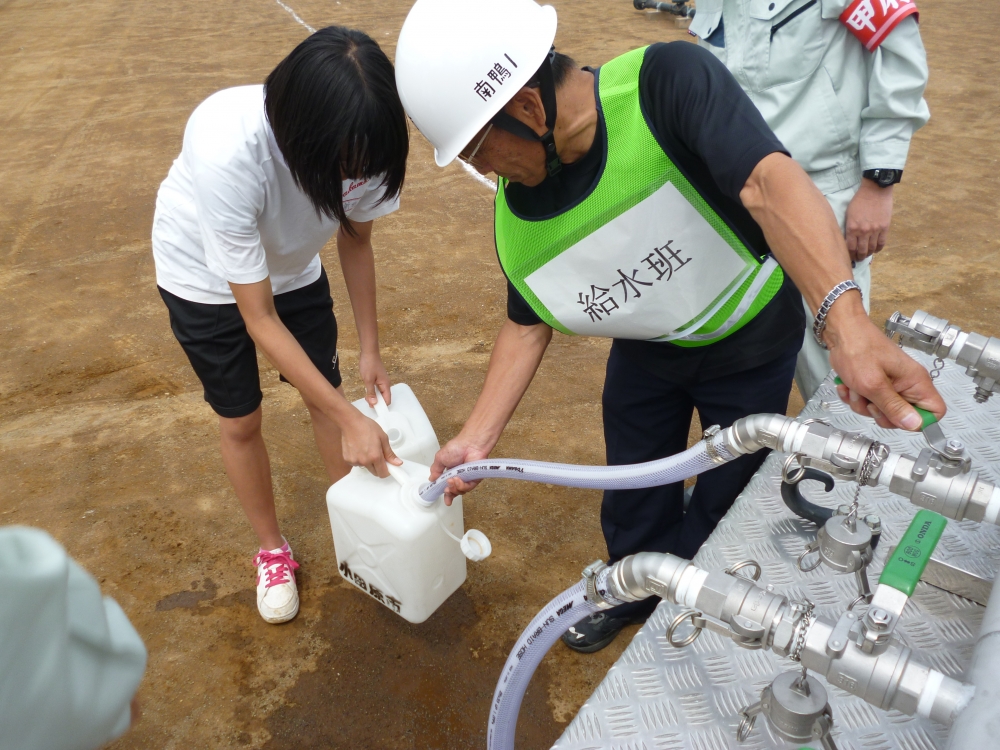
{"points": [[374, 376], [365, 444]]}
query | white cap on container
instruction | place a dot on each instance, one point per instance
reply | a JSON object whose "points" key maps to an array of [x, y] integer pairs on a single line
{"points": [[475, 545]]}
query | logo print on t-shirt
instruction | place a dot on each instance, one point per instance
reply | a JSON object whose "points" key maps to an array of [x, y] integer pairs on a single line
{"points": [[353, 186]]}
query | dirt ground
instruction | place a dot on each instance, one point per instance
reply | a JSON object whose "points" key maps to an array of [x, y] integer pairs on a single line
{"points": [[106, 443]]}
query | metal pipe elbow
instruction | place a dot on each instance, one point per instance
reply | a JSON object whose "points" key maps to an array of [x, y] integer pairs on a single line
{"points": [[647, 574], [757, 431]]}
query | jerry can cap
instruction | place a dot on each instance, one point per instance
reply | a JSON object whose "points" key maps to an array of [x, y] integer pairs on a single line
{"points": [[475, 545]]}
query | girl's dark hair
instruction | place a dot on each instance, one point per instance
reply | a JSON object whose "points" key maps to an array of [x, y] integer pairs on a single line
{"points": [[335, 113]]}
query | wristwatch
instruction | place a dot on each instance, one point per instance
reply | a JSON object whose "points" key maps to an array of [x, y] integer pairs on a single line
{"points": [[883, 177]]}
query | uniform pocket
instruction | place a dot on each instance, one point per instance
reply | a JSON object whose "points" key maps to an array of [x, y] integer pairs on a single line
{"points": [[809, 120], [767, 10], [794, 31]]}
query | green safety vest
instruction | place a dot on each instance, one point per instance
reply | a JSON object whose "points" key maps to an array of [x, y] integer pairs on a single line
{"points": [[643, 256]]}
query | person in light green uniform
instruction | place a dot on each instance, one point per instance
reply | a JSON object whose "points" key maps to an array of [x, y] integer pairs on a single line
{"points": [[645, 201], [844, 94]]}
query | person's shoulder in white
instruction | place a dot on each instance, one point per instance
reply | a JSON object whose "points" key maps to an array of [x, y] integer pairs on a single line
{"points": [[213, 197], [230, 124], [70, 660]]}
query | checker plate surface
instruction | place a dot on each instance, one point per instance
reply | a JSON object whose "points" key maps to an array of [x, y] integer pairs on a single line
{"points": [[656, 697]]}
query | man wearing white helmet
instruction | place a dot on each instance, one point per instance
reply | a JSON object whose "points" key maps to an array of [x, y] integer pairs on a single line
{"points": [[648, 202]]}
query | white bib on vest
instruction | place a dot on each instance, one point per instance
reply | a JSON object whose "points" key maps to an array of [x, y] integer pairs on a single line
{"points": [[657, 271]]}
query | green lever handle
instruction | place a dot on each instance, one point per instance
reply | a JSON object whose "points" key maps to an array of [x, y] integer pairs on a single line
{"points": [[927, 418], [908, 560]]}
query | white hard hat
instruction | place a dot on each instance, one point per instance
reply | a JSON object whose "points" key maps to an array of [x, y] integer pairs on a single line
{"points": [[458, 62]]}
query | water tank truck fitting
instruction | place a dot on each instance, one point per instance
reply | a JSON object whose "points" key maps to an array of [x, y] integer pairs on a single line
{"points": [[757, 617], [795, 705], [979, 355], [858, 656], [861, 657], [943, 483]]}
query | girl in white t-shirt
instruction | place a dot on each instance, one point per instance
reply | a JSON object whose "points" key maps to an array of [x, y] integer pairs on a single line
{"points": [[266, 176]]}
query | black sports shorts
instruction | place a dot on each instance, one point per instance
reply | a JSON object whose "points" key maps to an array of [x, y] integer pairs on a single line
{"points": [[224, 357]]}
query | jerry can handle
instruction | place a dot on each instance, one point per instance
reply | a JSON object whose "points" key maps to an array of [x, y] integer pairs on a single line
{"points": [[381, 409], [398, 473]]}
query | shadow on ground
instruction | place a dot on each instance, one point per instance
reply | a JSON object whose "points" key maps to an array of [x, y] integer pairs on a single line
{"points": [[385, 680]]}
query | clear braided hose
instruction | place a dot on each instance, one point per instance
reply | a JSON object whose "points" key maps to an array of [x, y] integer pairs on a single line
{"points": [[676, 468], [555, 619]]}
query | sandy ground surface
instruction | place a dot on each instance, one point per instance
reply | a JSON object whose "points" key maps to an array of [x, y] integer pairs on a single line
{"points": [[106, 443]]}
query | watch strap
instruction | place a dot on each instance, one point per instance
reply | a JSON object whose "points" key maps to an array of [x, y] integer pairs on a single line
{"points": [[883, 177]]}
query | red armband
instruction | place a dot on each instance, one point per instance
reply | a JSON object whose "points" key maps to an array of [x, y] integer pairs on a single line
{"points": [[872, 20]]}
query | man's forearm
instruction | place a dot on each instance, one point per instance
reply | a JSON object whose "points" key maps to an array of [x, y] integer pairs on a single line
{"points": [[516, 355], [803, 235], [799, 226]]}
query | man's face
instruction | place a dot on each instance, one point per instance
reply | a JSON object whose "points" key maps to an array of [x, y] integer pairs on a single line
{"points": [[496, 150]]}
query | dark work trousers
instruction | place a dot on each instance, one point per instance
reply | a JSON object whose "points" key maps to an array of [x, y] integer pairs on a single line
{"points": [[646, 418]]}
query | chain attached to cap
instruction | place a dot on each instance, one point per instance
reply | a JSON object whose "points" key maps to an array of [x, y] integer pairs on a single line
{"points": [[877, 453]]}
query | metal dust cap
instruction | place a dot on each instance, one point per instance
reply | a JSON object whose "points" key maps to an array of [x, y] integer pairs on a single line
{"points": [[793, 703]]}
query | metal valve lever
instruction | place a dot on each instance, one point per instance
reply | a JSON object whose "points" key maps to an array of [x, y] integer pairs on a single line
{"points": [[796, 707], [899, 580]]}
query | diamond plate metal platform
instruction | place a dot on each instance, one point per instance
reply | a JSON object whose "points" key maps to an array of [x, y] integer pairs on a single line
{"points": [[657, 697]]}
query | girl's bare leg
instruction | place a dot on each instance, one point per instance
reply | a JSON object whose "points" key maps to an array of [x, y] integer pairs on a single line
{"points": [[249, 469]]}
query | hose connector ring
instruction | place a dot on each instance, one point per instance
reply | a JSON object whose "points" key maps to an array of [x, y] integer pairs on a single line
{"points": [[810, 549], [860, 599], [745, 726], [789, 476], [713, 453], [688, 614], [734, 569], [590, 574]]}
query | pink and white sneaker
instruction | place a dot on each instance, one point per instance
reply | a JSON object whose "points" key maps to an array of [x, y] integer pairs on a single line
{"points": [[277, 595]]}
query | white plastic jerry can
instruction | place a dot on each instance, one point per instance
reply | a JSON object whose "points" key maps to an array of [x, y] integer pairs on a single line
{"points": [[403, 552], [404, 422]]}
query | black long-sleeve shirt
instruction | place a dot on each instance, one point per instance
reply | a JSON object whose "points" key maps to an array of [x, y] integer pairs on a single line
{"points": [[714, 134]]}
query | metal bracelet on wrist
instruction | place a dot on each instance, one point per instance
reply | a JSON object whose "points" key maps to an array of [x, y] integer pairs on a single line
{"points": [[819, 322]]}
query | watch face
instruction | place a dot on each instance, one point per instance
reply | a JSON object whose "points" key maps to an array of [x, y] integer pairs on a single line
{"points": [[886, 177]]}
